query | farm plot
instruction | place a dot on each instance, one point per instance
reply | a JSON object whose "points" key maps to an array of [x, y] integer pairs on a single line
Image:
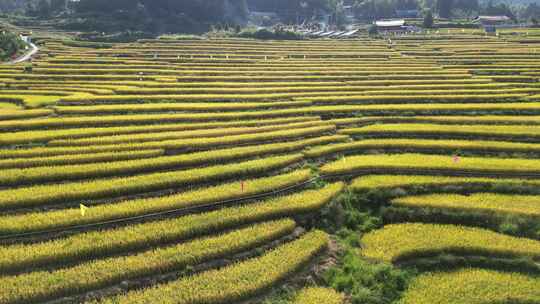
{"points": [[205, 171]]}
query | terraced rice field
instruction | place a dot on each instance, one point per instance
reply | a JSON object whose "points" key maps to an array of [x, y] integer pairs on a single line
{"points": [[200, 171]]}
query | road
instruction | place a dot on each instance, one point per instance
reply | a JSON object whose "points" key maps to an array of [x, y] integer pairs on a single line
{"points": [[33, 50]]}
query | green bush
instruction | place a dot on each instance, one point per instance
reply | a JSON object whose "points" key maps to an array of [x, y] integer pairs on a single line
{"points": [[86, 44], [10, 44], [265, 34], [373, 30], [428, 19], [119, 37], [367, 283]]}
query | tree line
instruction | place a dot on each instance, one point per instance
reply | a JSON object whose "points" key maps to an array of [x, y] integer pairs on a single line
{"points": [[193, 15]]}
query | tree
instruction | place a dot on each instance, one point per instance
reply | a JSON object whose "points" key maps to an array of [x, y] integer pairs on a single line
{"points": [[444, 8], [58, 5], [531, 11], [465, 8], [43, 8], [30, 9], [295, 10], [375, 9], [428, 19], [467, 5], [373, 30], [10, 44], [501, 9]]}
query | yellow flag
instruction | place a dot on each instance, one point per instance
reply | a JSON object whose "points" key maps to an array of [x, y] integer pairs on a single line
{"points": [[83, 210]]}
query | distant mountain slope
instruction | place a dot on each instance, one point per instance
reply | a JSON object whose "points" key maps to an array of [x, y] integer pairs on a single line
{"points": [[512, 2]]}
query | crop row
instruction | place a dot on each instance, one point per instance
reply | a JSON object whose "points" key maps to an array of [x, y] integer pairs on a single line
{"points": [[32, 101], [401, 242], [487, 203], [41, 286], [244, 71], [322, 97], [77, 77], [374, 182], [242, 100], [77, 159], [472, 286], [453, 108], [422, 92], [467, 97], [451, 130], [236, 282], [179, 107], [215, 137], [8, 114], [104, 243], [129, 120], [422, 144], [54, 219], [179, 87], [217, 142], [55, 134], [317, 295], [115, 120], [371, 84], [43, 152], [138, 166], [39, 195], [305, 65], [100, 77], [451, 120], [425, 78], [432, 163], [272, 84]]}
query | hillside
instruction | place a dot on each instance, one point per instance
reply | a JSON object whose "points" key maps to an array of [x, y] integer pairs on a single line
{"points": [[363, 169]]}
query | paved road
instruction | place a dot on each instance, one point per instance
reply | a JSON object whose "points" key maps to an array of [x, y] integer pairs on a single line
{"points": [[33, 50]]}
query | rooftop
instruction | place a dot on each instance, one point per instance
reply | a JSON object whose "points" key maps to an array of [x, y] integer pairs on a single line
{"points": [[390, 23], [493, 18]]}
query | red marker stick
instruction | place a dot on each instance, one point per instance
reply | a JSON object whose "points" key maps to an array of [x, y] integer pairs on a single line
{"points": [[242, 186]]}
